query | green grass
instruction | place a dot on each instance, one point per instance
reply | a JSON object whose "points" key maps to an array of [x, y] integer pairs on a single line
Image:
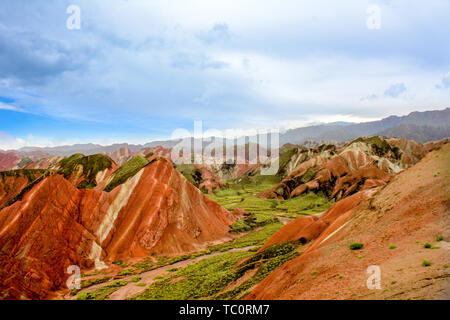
{"points": [[126, 272], [356, 246], [208, 278], [287, 152], [102, 293], [120, 263], [142, 284], [144, 265], [243, 196], [126, 171], [191, 173], [392, 246], [136, 279], [89, 283], [252, 221], [91, 165], [253, 238], [24, 162]]}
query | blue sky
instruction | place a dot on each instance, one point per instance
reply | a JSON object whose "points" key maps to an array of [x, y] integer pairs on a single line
{"points": [[137, 70]]}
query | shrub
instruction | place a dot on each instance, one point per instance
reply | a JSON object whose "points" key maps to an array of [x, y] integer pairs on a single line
{"points": [[439, 238], [120, 263], [392, 246], [427, 246], [426, 263], [356, 245], [136, 279], [142, 284], [127, 272]]}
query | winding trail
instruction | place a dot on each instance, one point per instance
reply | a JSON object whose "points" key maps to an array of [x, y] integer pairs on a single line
{"points": [[131, 289]]}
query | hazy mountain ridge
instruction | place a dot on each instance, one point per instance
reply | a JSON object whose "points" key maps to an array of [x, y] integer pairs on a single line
{"points": [[392, 126]]}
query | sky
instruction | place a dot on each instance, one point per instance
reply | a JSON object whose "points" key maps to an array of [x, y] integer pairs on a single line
{"points": [[135, 71]]}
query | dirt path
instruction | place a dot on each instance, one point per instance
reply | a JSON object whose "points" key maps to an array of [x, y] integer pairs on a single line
{"points": [[132, 289]]}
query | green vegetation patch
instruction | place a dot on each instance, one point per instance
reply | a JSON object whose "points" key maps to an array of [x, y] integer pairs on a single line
{"points": [[127, 171], [120, 263], [144, 265], [102, 293], [380, 146], [126, 272], [191, 173], [33, 176], [287, 152], [252, 221], [253, 238], [356, 245], [208, 278], [91, 166], [24, 162], [426, 263], [89, 283]]}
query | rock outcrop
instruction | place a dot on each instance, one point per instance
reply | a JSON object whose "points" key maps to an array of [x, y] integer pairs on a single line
{"points": [[392, 223], [56, 225], [339, 172]]}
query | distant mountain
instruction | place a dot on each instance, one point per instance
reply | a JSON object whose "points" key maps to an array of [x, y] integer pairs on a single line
{"points": [[417, 133], [418, 126], [86, 149], [340, 133]]}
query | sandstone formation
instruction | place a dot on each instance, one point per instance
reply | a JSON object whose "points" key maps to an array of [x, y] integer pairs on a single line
{"points": [[55, 225], [392, 222]]}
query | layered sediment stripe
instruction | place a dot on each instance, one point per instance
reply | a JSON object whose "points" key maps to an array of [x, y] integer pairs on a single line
{"points": [[95, 254], [23, 208], [154, 184], [119, 202]]}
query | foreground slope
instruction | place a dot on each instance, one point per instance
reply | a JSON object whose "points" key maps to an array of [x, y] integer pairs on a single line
{"points": [[403, 227], [56, 225]]}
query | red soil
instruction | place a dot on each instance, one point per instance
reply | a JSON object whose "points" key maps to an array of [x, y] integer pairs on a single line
{"points": [[56, 225], [411, 210]]}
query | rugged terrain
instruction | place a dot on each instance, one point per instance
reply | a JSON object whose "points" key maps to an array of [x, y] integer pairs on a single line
{"points": [[151, 210], [141, 227], [403, 227]]}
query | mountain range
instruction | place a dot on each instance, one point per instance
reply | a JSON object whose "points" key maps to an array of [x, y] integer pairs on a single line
{"points": [[419, 126]]}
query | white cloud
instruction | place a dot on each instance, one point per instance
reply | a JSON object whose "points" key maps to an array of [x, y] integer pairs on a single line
{"points": [[5, 106]]}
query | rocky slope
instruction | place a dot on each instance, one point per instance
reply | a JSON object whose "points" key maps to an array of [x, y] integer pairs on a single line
{"points": [[340, 171], [54, 225], [404, 228]]}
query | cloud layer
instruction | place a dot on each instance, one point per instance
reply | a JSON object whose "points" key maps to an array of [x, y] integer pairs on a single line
{"points": [[144, 68]]}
